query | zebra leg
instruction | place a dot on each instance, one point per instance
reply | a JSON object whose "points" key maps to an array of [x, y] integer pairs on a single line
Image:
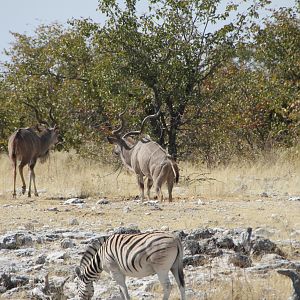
{"points": [[175, 271], [120, 280], [163, 278]]}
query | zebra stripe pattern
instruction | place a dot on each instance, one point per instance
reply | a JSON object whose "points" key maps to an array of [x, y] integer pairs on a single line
{"points": [[134, 255]]}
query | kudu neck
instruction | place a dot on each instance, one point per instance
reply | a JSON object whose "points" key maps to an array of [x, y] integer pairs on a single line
{"points": [[46, 140], [126, 152]]}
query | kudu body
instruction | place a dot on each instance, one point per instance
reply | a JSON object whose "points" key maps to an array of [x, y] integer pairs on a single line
{"points": [[147, 159], [25, 146]]}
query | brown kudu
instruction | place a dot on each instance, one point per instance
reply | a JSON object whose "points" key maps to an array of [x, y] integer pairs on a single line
{"points": [[145, 158], [25, 146]]}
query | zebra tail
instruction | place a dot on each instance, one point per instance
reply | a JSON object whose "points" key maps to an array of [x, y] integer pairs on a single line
{"points": [[179, 262]]}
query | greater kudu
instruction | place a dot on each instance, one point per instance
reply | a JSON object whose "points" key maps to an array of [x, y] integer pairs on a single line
{"points": [[145, 158], [25, 146]]}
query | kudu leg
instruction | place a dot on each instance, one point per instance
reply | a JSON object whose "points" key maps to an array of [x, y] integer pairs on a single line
{"points": [[32, 177], [140, 180], [170, 183], [161, 178], [149, 186], [158, 190], [21, 166], [15, 178], [34, 186]]}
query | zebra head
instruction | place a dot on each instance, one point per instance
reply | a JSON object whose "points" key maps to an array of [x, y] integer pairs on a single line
{"points": [[85, 289]]}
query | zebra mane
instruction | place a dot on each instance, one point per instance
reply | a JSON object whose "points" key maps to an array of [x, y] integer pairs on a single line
{"points": [[91, 251]]}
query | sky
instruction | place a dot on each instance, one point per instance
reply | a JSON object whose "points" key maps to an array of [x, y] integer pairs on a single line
{"points": [[23, 16]]}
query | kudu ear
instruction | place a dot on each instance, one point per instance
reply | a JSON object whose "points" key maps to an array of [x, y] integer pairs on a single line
{"points": [[39, 128], [112, 139]]}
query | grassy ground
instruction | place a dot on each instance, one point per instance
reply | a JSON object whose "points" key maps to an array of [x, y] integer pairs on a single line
{"points": [[230, 197]]}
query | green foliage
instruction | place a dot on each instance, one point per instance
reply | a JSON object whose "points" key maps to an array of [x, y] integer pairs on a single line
{"points": [[232, 90]]}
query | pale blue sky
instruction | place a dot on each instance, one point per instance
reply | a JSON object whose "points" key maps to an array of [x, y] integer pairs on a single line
{"points": [[23, 16]]}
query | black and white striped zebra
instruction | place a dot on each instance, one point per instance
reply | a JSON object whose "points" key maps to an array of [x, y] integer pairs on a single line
{"points": [[134, 255]]}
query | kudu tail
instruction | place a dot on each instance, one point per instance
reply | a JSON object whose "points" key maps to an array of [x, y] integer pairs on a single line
{"points": [[13, 152], [13, 146], [175, 170]]}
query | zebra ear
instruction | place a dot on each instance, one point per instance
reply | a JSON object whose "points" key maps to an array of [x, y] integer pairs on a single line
{"points": [[78, 272]]}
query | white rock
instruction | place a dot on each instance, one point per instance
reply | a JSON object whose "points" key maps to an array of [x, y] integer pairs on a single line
{"points": [[67, 243], [294, 198], [264, 232], [126, 209], [200, 202], [73, 222], [54, 256], [164, 228], [74, 201], [102, 201]]}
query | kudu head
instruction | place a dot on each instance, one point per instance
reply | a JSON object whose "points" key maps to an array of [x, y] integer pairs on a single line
{"points": [[126, 141], [45, 127]]}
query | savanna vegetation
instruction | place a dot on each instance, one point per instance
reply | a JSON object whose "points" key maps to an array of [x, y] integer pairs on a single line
{"points": [[225, 79]]}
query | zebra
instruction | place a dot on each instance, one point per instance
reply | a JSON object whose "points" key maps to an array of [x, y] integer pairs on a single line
{"points": [[135, 255]]}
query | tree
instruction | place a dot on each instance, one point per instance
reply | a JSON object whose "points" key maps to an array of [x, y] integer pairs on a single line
{"points": [[171, 51]]}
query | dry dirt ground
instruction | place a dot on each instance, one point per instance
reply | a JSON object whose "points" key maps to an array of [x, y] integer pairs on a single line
{"points": [[229, 199], [279, 217]]}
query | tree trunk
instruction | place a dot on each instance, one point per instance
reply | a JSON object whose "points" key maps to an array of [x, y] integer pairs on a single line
{"points": [[172, 134], [172, 137]]}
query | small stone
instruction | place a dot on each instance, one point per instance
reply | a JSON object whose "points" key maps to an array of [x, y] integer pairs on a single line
{"points": [[264, 232], [225, 242], [262, 246], [165, 228], [74, 201], [240, 260], [41, 259], [264, 194], [102, 201], [67, 243], [73, 222], [194, 260], [192, 247], [52, 209], [151, 202], [127, 230], [126, 209], [54, 256], [200, 202], [295, 234], [294, 198]]}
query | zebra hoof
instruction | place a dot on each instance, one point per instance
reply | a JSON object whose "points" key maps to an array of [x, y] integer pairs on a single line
{"points": [[29, 195], [36, 194], [23, 189]]}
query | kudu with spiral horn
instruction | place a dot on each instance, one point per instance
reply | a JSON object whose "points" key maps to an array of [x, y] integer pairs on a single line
{"points": [[145, 158], [25, 146]]}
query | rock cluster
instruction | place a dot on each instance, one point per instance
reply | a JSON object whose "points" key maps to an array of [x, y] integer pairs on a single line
{"points": [[26, 258]]}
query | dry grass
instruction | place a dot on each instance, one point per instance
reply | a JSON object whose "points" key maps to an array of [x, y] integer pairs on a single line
{"points": [[68, 174]]}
